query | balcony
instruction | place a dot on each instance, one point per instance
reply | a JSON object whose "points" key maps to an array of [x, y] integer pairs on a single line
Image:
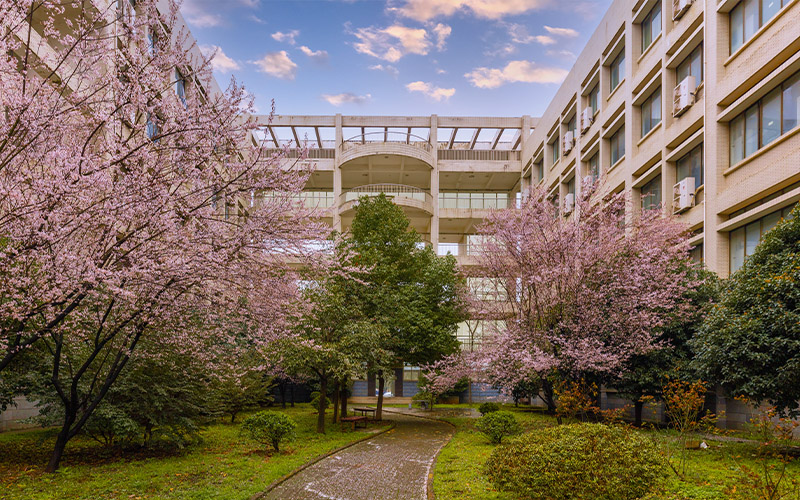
{"points": [[402, 195], [379, 143]]}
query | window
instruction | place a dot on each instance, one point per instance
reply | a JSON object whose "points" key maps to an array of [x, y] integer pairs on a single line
{"points": [[651, 194], [152, 41], [748, 16], [763, 122], [180, 87], [539, 171], [594, 168], [572, 126], [618, 70], [571, 185], [691, 165], [744, 240], [692, 66], [618, 145], [556, 150], [651, 112], [593, 98], [651, 26], [151, 129], [696, 253]]}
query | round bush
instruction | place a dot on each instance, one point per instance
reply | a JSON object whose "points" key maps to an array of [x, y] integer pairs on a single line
{"points": [[485, 408], [579, 461], [497, 425], [269, 428]]}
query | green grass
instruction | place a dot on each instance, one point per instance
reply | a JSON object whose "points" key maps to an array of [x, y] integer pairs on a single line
{"points": [[713, 474], [224, 465]]}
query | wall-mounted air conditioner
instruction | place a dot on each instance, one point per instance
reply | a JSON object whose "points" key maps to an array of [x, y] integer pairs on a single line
{"points": [[684, 96], [569, 203], [683, 195], [587, 117], [569, 141], [679, 8]]}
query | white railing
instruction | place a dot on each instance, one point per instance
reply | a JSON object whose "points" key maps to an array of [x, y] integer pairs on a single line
{"points": [[474, 201], [459, 249], [478, 155], [408, 195], [312, 153], [383, 138]]}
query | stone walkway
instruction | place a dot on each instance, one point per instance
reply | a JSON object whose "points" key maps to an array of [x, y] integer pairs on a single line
{"points": [[392, 466]]}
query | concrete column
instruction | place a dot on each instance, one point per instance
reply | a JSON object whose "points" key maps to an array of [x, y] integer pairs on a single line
{"points": [[435, 183], [337, 174]]}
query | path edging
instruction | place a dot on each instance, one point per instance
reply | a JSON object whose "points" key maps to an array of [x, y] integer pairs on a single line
{"points": [[286, 477], [429, 480]]}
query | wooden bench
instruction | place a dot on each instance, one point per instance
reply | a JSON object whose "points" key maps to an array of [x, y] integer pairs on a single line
{"points": [[353, 421]]}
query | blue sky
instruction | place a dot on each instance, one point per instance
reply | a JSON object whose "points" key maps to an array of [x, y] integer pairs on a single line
{"points": [[396, 57]]}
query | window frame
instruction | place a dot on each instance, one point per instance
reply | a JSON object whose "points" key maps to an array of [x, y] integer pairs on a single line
{"points": [[594, 99], [742, 231], [617, 67], [698, 150], [688, 62], [619, 148], [760, 21], [655, 181], [648, 24], [648, 105]]}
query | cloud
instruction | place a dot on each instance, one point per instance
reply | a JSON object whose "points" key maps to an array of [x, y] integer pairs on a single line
{"points": [[424, 10], [388, 68], [287, 37], [436, 93], [504, 51], [256, 19], [519, 34], [346, 98], [515, 71], [277, 64], [442, 31], [567, 54], [567, 32], [220, 62], [392, 43], [318, 56], [204, 20], [208, 13]]}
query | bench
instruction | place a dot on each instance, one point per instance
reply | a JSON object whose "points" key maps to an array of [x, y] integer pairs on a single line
{"points": [[353, 421]]}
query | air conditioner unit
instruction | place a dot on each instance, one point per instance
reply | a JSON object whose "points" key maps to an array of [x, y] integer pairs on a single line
{"points": [[587, 117], [683, 195], [679, 8], [569, 141], [569, 203], [684, 96]]}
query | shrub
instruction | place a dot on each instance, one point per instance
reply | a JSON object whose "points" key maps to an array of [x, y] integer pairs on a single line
{"points": [[268, 427], [317, 398], [497, 425], [579, 461], [485, 408]]}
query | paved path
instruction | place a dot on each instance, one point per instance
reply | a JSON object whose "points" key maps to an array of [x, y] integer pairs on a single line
{"points": [[392, 466]]}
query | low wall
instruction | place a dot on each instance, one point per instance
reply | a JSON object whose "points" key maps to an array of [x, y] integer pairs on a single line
{"points": [[14, 416]]}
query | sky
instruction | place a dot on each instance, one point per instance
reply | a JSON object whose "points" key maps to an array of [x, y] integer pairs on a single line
{"points": [[395, 57]]}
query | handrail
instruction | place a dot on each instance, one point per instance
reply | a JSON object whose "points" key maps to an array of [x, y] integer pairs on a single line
{"points": [[361, 139], [392, 190]]}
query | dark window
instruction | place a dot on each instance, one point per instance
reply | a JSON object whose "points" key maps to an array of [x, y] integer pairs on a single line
{"points": [[618, 70], [651, 112], [691, 165], [692, 65], [617, 145]]}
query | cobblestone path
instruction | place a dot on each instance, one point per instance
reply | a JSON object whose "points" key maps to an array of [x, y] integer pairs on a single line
{"points": [[392, 466]]}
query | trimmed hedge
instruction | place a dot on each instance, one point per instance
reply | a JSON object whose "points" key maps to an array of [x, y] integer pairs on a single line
{"points": [[579, 461], [485, 408], [497, 425]]}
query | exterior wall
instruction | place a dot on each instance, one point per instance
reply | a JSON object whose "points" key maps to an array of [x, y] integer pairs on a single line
{"points": [[15, 416]]}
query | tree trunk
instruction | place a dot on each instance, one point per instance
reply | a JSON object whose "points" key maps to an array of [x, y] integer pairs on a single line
{"points": [[469, 393], [291, 393], [233, 417], [379, 412], [637, 412], [335, 402], [282, 392], [548, 396], [343, 400], [323, 391], [61, 443]]}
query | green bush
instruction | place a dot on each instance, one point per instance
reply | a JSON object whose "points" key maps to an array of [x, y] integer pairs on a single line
{"points": [[316, 399], [485, 408], [497, 425], [579, 461], [269, 427]]}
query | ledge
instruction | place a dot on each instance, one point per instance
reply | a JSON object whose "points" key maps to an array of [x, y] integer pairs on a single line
{"points": [[649, 133], [758, 33], [760, 152]]}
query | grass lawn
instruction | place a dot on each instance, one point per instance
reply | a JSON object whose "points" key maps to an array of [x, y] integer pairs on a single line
{"points": [[712, 474], [224, 465]]}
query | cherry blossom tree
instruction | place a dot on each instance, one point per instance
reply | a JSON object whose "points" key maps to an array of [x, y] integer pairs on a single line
{"points": [[131, 199], [577, 295]]}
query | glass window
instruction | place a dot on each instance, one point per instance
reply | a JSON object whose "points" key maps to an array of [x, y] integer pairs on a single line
{"points": [[791, 103], [748, 16], [691, 165], [556, 149], [752, 233], [768, 9], [737, 249], [651, 25], [593, 98], [651, 194], [594, 167], [151, 127], [745, 240], [751, 130], [771, 117], [571, 186], [651, 112], [771, 221], [618, 69], [737, 139], [180, 87], [696, 253], [692, 65], [737, 27], [572, 126], [618, 145], [540, 171]]}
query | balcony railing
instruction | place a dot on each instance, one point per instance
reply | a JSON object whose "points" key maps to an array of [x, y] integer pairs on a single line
{"points": [[478, 155], [312, 153], [474, 201], [384, 138], [391, 190], [459, 249]]}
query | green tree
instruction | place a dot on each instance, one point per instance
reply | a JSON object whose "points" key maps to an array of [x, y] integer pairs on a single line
{"points": [[404, 286], [750, 342], [643, 374]]}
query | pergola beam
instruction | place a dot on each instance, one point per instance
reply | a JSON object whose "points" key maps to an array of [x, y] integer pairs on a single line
{"points": [[274, 137], [296, 139], [363, 135], [517, 140], [452, 138], [496, 139], [475, 138], [319, 138]]}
